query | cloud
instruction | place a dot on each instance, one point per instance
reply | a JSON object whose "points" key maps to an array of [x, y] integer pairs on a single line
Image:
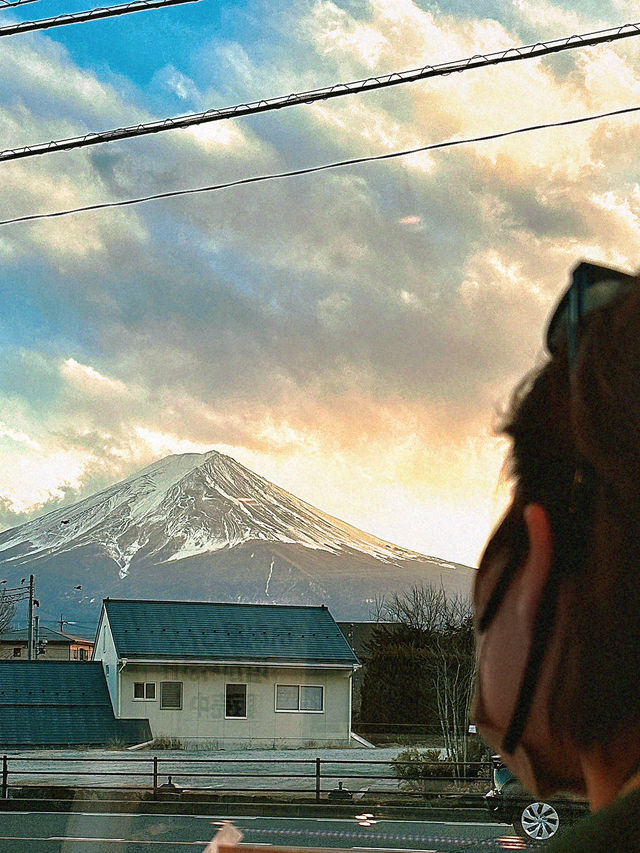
{"points": [[91, 379], [17, 436], [177, 83], [333, 330]]}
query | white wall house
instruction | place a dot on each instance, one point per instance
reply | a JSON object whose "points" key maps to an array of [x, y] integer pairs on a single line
{"points": [[228, 675]]}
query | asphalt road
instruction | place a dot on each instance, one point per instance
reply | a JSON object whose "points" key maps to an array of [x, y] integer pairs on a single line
{"points": [[45, 832]]}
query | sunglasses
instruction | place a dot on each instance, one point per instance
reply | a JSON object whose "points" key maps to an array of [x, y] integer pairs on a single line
{"points": [[592, 288]]}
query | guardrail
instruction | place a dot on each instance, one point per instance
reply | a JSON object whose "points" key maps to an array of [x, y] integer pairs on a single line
{"points": [[300, 776]]}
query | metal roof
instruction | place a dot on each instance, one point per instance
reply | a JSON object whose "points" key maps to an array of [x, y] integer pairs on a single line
{"points": [[59, 703], [20, 635], [227, 632]]}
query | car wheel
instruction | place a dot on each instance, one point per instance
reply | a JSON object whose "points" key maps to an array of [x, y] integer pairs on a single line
{"points": [[537, 821]]}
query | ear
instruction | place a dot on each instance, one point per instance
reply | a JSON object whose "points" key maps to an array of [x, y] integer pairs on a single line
{"points": [[540, 556]]}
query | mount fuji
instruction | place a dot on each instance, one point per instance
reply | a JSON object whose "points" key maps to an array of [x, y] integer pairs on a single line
{"points": [[202, 526]]}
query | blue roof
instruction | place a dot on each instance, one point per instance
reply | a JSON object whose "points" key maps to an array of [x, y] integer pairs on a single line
{"points": [[60, 703], [227, 632], [19, 635]]}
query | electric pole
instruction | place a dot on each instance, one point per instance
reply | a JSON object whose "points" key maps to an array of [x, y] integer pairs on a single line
{"points": [[30, 647]]}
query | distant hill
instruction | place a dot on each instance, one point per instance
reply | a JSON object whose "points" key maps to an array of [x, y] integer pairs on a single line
{"points": [[202, 526]]}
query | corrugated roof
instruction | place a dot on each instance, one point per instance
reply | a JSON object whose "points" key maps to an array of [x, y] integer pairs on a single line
{"points": [[48, 634], [60, 703], [226, 631]]}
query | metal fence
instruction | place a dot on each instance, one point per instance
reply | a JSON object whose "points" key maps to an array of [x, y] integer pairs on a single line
{"points": [[312, 779]]}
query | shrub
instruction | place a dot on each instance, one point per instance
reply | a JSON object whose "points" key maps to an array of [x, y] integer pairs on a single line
{"points": [[478, 759], [418, 769], [166, 743]]}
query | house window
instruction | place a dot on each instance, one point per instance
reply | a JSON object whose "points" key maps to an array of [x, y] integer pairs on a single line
{"points": [[144, 690], [311, 698], [299, 697], [84, 654], [17, 652], [236, 701], [170, 695]]}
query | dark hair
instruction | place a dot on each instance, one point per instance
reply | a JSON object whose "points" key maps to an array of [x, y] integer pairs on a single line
{"points": [[576, 450]]}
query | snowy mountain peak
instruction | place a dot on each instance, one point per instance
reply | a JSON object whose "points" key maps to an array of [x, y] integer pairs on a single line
{"points": [[202, 526], [186, 505]]}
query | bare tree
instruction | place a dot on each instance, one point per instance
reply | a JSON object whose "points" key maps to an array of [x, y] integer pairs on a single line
{"points": [[443, 626]]}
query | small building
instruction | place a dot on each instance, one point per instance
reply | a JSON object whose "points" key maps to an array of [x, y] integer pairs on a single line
{"points": [[57, 703], [53, 645], [228, 675]]}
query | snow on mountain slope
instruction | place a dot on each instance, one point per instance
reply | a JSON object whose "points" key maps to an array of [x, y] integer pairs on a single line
{"points": [[188, 505]]}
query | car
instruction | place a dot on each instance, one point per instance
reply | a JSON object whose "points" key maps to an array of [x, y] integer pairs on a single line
{"points": [[535, 820]]}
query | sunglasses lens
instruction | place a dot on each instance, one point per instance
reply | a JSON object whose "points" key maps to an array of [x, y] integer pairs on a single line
{"points": [[592, 287]]}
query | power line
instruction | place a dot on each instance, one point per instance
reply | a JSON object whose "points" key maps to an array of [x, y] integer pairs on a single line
{"points": [[9, 4], [338, 90], [311, 169], [89, 15]]}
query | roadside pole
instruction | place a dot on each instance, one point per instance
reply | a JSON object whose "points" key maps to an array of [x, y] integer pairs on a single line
{"points": [[30, 647], [155, 777]]}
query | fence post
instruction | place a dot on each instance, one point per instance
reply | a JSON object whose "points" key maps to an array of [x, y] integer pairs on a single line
{"points": [[5, 777], [155, 777], [317, 780]]}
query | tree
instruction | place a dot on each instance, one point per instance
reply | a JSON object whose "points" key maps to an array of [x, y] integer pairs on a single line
{"points": [[421, 667], [395, 686]]}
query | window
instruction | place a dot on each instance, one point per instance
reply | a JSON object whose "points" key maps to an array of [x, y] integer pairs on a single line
{"points": [[144, 690], [235, 701], [299, 697], [170, 695], [286, 697], [17, 652], [311, 698], [84, 655]]}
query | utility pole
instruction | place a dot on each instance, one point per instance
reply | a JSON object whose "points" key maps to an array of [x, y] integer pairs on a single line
{"points": [[30, 647]]}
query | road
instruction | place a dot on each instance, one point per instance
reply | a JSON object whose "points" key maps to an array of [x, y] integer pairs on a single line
{"points": [[46, 832]]}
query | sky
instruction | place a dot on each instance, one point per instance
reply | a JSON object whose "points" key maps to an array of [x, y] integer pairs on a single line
{"points": [[351, 335]]}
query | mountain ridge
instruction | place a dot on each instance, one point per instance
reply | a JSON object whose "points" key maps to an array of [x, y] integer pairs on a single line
{"points": [[223, 526]]}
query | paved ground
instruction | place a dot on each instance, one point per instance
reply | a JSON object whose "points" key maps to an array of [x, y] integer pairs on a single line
{"points": [[105, 833]]}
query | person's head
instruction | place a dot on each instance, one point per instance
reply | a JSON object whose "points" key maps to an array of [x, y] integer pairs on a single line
{"points": [[557, 595]]}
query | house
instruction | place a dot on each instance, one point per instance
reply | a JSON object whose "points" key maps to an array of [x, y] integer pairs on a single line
{"points": [[228, 675], [58, 703], [57, 646]]}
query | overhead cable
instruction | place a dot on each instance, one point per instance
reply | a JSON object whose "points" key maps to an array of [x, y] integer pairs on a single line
{"points": [[338, 90], [9, 4], [311, 169], [89, 15]]}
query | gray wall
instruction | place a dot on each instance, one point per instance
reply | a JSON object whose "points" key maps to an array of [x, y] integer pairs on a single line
{"points": [[201, 721]]}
